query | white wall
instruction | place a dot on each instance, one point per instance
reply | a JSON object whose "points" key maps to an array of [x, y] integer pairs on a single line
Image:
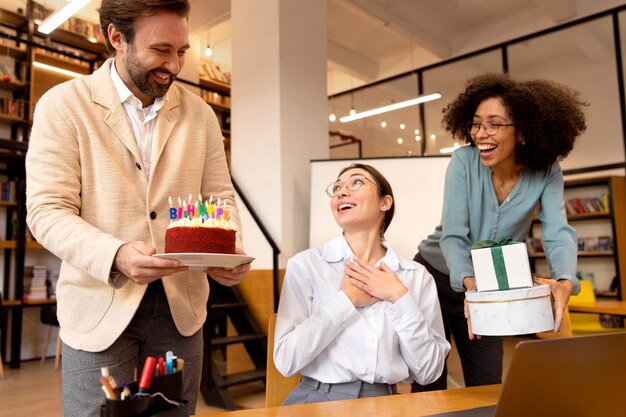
{"points": [[417, 185]]}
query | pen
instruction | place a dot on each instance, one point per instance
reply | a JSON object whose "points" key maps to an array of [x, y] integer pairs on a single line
{"points": [[146, 374], [108, 390], [169, 361], [125, 392], [105, 373]]}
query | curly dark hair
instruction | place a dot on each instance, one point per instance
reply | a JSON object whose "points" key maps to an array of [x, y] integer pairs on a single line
{"points": [[124, 13], [548, 116], [384, 188]]}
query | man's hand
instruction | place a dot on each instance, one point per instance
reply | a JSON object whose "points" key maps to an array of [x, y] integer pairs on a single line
{"points": [[134, 260], [230, 277]]}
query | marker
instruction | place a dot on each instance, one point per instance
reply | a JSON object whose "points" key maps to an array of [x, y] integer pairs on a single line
{"points": [[180, 363], [169, 361], [146, 374], [161, 367]]}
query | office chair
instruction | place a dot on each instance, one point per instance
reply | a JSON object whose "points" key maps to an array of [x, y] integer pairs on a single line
{"points": [[587, 323], [49, 317], [277, 386]]}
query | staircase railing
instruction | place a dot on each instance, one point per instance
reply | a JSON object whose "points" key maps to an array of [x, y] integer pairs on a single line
{"points": [[266, 234]]}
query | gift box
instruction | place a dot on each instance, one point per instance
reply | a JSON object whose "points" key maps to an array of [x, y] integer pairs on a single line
{"points": [[501, 265], [510, 312]]}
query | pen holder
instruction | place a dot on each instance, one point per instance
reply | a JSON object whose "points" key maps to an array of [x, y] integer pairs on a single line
{"points": [[171, 386]]}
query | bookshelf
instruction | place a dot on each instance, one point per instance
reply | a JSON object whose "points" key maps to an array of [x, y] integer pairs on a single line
{"points": [[601, 231], [216, 94], [23, 51]]}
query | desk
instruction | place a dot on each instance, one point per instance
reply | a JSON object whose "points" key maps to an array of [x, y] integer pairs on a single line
{"points": [[617, 308], [410, 405]]}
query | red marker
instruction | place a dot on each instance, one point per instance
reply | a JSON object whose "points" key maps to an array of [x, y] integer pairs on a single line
{"points": [[146, 374], [161, 366]]}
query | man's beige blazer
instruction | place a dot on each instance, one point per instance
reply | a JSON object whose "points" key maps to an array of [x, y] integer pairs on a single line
{"points": [[87, 195]]}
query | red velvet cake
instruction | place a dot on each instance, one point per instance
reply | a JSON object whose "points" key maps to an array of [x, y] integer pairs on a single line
{"points": [[199, 240]]}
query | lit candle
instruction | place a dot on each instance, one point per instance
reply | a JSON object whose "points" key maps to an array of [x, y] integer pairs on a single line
{"points": [[180, 209], [220, 210], [173, 211], [202, 210]]}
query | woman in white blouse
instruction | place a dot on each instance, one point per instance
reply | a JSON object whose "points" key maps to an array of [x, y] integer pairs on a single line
{"points": [[355, 318]]}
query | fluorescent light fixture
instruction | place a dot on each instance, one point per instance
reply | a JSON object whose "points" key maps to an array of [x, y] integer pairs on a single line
{"points": [[451, 149], [395, 106], [57, 70], [57, 18]]}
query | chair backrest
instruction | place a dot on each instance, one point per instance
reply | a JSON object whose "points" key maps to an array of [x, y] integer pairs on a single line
{"points": [[586, 294], [277, 386]]}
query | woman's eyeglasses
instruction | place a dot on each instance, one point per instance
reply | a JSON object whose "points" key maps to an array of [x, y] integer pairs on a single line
{"points": [[490, 128], [352, 184]]}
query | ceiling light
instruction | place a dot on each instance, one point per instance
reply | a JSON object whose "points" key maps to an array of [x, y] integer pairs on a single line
{"points": [[383, 124], [395, 106], [57, 18], [433, 136], [418, 138], [208, 51], [332, 117], [352, 113], [450, 149], [402, 126], [399, 140], [417, 131]]}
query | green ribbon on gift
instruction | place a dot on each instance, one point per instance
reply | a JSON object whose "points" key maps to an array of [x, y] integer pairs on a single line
{"points": [[498, 258]]}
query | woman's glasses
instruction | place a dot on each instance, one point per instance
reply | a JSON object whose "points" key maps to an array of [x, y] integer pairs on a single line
{"points": [[490, 128], [352, 184]]}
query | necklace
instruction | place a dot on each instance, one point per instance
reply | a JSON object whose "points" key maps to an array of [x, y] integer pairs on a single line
{"points": [[504, 193]]}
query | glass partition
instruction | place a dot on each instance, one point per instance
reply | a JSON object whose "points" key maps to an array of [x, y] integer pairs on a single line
{"points": [[581, 55]]}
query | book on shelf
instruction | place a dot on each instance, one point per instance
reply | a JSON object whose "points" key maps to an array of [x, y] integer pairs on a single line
{"points": [[214, 72], [35, 285], [578, 205], [604, 243]]}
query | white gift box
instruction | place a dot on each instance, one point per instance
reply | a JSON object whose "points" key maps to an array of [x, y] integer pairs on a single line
{"points": [[511, 270], [511, 312]]}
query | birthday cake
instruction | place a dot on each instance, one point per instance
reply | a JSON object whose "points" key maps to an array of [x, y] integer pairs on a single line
{"points": [[199, 228]]}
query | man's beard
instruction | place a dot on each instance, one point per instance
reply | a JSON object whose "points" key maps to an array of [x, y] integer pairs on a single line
{"points": [[141, 78]]}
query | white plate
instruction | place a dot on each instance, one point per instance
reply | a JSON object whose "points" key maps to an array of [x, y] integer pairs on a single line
{"points": [[205, 260]]}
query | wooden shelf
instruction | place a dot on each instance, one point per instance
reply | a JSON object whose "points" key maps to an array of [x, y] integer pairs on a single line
{"points": [[217, 106], [8, 203], [11, 244], [44, 301], [580, 254], [61, 62], [215, 85], [75, 40], [11, 119], [12, 51], [11, 19], [12, 85]]}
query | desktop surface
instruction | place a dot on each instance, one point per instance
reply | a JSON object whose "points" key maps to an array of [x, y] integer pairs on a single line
{"points": [[409, 405]]}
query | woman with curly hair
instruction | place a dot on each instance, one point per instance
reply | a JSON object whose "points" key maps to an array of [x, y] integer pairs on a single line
{"points": [[517, 132]]}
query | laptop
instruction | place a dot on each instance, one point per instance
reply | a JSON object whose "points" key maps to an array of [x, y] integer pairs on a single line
{"points": [[582, 376]]}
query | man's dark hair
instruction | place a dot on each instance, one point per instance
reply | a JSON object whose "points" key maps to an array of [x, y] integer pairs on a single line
{"points": [[124, 13]]}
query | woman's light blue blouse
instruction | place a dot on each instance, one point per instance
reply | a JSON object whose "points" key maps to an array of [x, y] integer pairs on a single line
{"points": [[471, 213]]}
